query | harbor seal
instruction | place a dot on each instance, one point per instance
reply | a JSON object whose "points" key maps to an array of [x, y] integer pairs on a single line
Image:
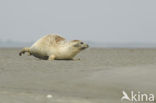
{"points": [[55, 47]]}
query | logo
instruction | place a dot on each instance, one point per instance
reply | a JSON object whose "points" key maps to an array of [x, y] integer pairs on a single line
{"points": [[137, 97]]}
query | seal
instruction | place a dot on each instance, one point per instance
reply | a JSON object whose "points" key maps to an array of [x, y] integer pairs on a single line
{"points": [[55, 47]]}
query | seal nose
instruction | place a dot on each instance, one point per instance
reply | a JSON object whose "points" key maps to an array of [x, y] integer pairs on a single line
{"points": [[87, 45]]}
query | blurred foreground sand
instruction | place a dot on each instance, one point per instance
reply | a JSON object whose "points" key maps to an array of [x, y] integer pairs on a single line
{"points": [[99, 77]]}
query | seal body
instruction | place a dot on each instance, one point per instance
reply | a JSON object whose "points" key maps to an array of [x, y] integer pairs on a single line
{"points": [[55, 47]]}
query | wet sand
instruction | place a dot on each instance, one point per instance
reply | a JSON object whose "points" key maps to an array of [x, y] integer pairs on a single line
{"points": [[99, 77]]}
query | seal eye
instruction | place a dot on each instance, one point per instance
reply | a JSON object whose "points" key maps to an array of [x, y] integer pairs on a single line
{"points": [[81, 42]]}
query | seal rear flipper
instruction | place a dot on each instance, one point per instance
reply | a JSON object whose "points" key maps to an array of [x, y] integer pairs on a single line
{"points": [[24, 50]]}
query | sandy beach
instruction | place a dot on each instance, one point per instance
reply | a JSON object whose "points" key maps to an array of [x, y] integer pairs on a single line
{"points": [[99, 77]]}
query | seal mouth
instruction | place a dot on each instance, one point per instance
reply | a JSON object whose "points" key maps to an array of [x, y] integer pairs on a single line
{"points": [[84, 47]]}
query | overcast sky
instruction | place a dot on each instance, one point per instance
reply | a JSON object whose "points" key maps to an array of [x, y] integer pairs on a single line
{"points": [[121, 21]]}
